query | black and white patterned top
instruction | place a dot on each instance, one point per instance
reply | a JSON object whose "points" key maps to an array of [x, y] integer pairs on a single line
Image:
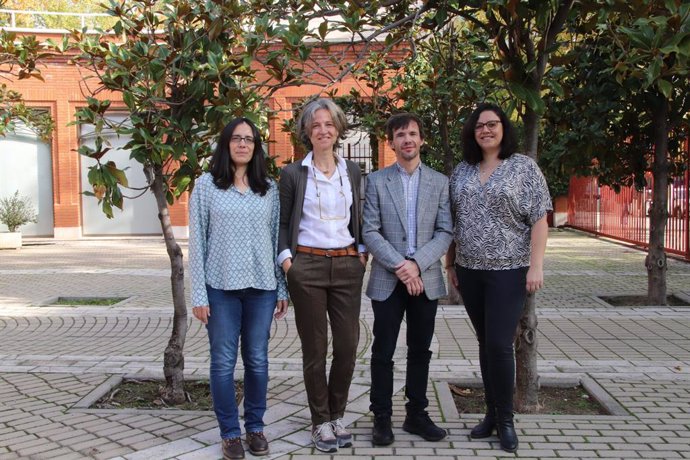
{"points": [[492, 222]]}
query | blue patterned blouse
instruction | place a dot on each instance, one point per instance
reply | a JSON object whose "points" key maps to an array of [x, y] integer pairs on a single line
{"points": [[233, 240], [493, 222]]}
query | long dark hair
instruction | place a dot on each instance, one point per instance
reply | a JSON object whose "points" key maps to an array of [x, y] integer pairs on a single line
{"points": [[472, 153], [223, 169]]}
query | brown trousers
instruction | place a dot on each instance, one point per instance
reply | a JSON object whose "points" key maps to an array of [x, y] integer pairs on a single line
{"points": [[327, 289]]}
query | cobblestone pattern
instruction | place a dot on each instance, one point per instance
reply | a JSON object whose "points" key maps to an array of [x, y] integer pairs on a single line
{"points": [[51, 357]]}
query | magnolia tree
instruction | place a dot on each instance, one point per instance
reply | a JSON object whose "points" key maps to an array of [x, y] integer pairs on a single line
{"points": [[522, 39], [183, 69], [631, 73], [19, 59]]}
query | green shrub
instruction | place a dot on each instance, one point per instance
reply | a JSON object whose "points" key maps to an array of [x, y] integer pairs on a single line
{"points": [[16, 211]]}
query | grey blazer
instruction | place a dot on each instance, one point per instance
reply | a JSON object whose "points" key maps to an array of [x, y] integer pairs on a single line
{"points": [[293, 185], [385, 230]]}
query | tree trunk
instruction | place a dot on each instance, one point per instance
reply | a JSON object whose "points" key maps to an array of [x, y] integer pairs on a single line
{"points": [[526, 376], [448, 164], [173, 358], [656, 257]]}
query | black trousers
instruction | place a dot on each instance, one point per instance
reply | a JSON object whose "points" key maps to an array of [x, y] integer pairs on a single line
{"points": [[494, 300], [420, 313]]}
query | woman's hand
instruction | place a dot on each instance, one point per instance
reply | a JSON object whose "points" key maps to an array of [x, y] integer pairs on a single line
{"points": [[535, 279], [202, 313], [281, 309], [287, 263]]}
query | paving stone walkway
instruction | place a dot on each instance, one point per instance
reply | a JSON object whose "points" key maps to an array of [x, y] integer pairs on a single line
{"points": [[55, 360]]}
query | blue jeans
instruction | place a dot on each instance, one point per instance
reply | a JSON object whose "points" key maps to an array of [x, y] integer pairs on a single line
{"points": [[245, 313]]}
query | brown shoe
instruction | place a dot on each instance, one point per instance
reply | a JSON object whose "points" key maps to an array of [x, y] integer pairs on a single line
{"points": [[232, 449], [258, 445]]}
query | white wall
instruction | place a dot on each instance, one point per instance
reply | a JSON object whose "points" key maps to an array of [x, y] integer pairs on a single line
{"points": [[26, 165], [139, 216]]}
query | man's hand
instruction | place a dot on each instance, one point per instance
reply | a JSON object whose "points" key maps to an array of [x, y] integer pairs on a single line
{"points": [[415, 286], [407, 270]]}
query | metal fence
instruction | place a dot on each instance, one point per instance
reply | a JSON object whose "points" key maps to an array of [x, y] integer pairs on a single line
{"points": [[624, 215], [359, 153]]}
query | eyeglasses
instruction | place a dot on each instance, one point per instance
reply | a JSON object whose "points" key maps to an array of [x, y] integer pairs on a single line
{"points": [[489, 124], [340, 197], [239, 139]]}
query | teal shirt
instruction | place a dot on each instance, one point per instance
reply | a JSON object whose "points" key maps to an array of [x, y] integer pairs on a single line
{"points": [[233, 240]]}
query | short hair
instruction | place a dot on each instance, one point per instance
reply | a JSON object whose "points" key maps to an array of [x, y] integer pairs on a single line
{"points": [[401, 121], [307, 117], [472, 153], [223, 168]]}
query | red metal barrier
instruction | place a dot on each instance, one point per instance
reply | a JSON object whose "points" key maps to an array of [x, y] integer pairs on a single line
{"points": [[625, 215]]}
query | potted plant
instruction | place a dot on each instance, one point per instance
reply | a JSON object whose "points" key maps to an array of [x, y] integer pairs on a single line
{"points": [[15, 211]]}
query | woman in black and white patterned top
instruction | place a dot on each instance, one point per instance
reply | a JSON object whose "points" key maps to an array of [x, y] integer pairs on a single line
{"points": [[499, 201]]}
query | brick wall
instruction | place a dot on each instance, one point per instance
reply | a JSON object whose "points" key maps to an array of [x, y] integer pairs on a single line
{"points": [[65, 89]]}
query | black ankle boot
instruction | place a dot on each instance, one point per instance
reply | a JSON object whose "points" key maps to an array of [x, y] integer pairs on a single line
{"points": [[506, 433], [485, 428]]}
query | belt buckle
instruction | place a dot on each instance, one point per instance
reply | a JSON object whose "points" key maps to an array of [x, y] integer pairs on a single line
{"points": [[329, 253]]}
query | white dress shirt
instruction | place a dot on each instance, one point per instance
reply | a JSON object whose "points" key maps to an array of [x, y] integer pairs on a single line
{"points": [[326, 215]]}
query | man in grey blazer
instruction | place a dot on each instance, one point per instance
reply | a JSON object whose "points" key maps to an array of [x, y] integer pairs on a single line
{"points": [[407, 228]]}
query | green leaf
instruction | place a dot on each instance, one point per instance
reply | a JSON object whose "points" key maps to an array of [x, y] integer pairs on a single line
{"points": [[118, 174], [671, 6], [107, 209], [216, 28], [684, 45], [665, 87], [653, 71], [323, 29]]}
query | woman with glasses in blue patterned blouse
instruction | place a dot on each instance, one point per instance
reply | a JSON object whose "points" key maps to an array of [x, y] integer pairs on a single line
{"points": [[237, 287], [499, 200]]}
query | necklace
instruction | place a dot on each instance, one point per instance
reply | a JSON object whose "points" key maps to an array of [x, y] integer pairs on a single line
{"points": [[323, 214], [327, 170]]}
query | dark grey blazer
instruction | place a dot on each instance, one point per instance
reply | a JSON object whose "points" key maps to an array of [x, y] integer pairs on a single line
{"points": [[293, 185]]}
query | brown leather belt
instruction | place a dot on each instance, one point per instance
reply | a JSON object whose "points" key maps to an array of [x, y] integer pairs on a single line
{"points": [[340, 252]]}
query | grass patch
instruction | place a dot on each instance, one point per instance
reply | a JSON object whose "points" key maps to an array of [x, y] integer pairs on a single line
{"points": [[641, 301], [145, 394], [97, 301], [552, 401]]}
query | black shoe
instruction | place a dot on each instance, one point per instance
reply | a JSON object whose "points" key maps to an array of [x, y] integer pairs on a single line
{"points": [[382, 433], [507, 434], [422, 425], [485, 428]]}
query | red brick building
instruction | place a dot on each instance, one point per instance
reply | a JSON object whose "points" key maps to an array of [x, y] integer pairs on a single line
{"points": [[54, 174]]}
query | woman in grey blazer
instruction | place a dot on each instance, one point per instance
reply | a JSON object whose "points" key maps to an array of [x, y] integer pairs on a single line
{"points": [[321, 253]]}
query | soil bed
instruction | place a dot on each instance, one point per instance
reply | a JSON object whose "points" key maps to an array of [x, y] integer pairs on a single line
{"points": [[553, 401], [145, 394], [97, 301], [641, 301]]}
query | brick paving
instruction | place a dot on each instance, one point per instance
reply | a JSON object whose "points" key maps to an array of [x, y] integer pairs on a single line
{"points": [[53, 359]]}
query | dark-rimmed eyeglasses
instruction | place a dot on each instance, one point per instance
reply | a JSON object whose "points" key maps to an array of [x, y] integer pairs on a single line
{"points": [[238, 139], [489, 124]]}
